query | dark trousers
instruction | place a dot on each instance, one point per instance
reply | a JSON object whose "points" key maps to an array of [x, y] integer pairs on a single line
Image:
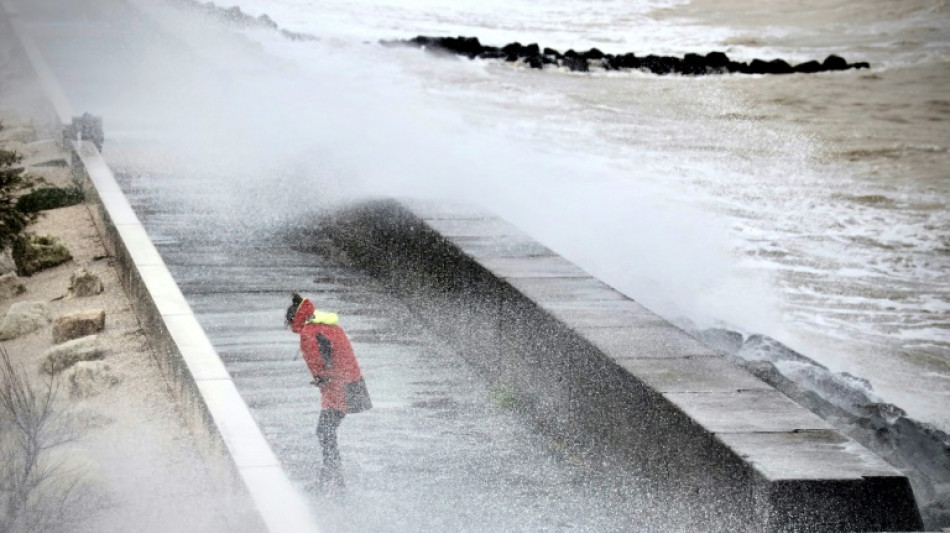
{"points": [[326, 432]]}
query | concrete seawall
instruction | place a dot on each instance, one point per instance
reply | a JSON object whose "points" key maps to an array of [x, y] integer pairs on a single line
{"points": [[600, 371], [204, 389]]}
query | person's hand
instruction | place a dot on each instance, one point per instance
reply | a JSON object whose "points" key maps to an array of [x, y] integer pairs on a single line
{"points": [[320, 382]]}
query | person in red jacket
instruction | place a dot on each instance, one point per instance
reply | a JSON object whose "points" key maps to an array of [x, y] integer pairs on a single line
{"points": [[332, 363]]}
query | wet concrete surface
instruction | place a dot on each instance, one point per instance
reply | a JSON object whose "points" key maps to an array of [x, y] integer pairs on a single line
{"points": [[441, 451]]}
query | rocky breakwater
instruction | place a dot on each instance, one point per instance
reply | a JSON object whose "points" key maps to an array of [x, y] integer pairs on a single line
{"points": [[534, 56], [919, 450]]}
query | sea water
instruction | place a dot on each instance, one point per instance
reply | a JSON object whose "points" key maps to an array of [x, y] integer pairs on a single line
{"points": [[811, 208]]}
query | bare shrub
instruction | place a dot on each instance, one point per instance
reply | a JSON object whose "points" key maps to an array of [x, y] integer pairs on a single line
{"points": [[42, 487]]}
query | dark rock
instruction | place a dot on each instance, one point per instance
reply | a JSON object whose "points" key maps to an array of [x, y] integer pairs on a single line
{"points": [[575, 63], [593, 54], [694, 64], [740, 67], [628, 60], [421, 40], [717, 60], [808, 68], [534, 61], [493, 54], [757, 66], [661, 64], [834, 62], [860, 65], [513, 49], [690, 64], [465, 46], [780, 66]]}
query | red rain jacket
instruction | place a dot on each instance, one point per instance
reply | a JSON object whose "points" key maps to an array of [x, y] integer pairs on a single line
{"points": [[334, 361]]}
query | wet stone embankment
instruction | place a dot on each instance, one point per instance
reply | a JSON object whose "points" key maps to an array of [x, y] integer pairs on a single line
{"points": [[917, 449], [443, 449], [534, 56], [611, 380]]}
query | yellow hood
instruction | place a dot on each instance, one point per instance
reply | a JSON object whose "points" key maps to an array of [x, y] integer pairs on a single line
{"points": [[322, 317]]}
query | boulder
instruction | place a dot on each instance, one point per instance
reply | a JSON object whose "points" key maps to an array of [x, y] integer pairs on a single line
{"points": [[37, 252], [23, 318], [513, 49], [834, 62], [809, 67], [7, 264], [10, 286], [65, 355], [575, 63], [724, 340], [534, 61], [593, 54], [73, 326], [758, 347], [717, 60], [89, 378], [83, 283], [690, 64], [694, 64]]}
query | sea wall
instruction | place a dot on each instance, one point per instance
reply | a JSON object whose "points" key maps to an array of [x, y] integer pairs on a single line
{"points": [[601, 372]]}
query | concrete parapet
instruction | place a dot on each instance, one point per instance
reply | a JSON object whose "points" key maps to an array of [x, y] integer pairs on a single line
{"points": [[603, 372], [192, 368]]}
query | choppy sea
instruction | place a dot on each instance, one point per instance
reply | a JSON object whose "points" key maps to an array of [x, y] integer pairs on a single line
{"points": [[811, 208]]}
